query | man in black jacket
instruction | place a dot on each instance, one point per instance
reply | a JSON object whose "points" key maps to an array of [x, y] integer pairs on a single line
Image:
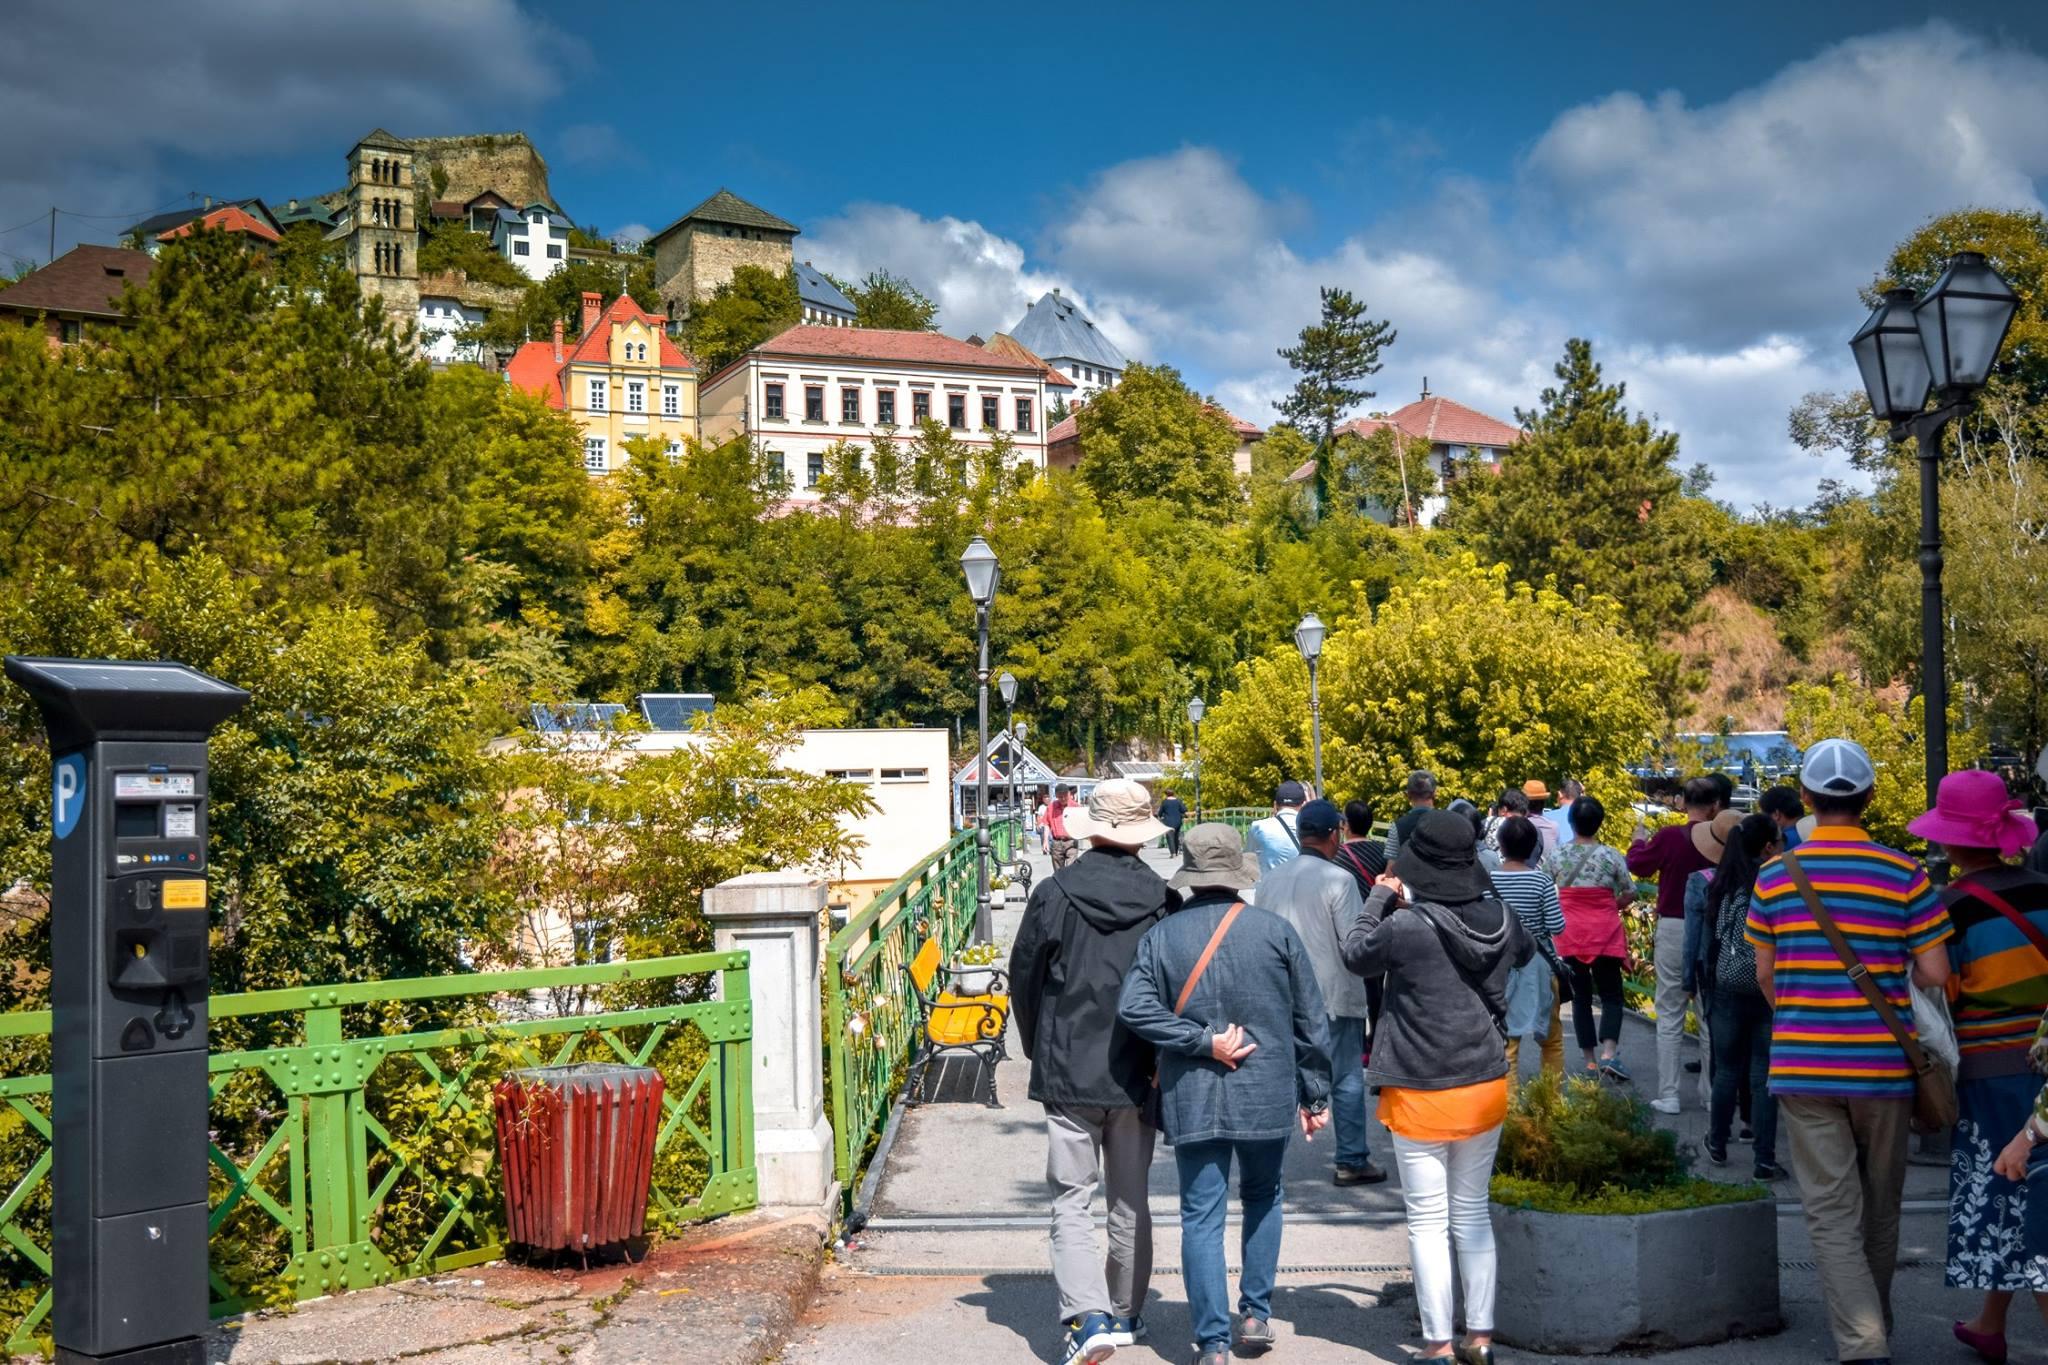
{"points": [[1080, 933]]}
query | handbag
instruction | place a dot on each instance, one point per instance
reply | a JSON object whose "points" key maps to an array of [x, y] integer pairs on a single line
{"points": [[1149, 1111], [1934, 1081]]}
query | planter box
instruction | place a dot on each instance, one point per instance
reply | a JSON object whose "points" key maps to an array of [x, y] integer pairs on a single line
{"points": [[970, 979], [1587, 1284]]}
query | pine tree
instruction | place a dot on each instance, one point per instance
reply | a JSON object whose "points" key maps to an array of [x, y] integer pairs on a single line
{"points": [[1333, 354], [1591, 495]]}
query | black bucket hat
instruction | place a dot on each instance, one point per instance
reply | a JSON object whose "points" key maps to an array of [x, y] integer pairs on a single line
{"points": [[1440, 861]]}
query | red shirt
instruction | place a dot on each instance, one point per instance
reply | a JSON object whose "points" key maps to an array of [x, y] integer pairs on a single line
{"points": [[1056, 819], [1669, 856]]}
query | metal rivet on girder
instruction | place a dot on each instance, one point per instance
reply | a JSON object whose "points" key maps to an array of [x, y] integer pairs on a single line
{"points": [[326, 1284], [343, 1255], [324, 1260]]}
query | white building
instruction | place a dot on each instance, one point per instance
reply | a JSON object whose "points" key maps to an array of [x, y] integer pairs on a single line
{"points": [[441, 318], [536, 239], [813, 386], [1055, 328]]}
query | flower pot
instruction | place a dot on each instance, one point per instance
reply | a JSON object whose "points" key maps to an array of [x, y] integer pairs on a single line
{"points": [[1687, 1277], [973, 979]]}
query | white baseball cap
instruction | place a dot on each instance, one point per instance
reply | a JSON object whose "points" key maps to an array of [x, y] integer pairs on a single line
{"points": [[1838, 767]]}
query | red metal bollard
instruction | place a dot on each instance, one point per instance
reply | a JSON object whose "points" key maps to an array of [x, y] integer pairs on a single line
{"points": [[576, 1145]]}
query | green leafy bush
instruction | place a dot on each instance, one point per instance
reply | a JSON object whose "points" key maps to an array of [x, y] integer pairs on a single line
{"points": [[1588, 1149]]}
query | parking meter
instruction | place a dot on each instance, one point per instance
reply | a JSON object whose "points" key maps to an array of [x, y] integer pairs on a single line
{"points": [[128, 931]]}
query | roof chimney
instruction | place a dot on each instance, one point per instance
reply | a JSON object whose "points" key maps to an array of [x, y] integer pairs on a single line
{"points": [[558, 341], [593, 305], [1425, 386]]}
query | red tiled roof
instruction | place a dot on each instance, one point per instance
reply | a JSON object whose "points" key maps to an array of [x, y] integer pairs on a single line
{"points": [[1068, 428], [85, 279], [449, 208], [874, 343], [229, 218], [1003, 344], [1441, 421], [534, 369], [595, 346]]}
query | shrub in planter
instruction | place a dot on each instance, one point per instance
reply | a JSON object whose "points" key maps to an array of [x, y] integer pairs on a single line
{"points": [[1608, 1242]]}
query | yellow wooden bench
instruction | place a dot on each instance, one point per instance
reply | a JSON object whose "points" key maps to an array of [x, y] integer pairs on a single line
{"points": [[953, 1024]]}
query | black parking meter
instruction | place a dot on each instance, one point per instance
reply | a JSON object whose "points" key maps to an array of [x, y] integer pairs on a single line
{"points": [[128, 924]]}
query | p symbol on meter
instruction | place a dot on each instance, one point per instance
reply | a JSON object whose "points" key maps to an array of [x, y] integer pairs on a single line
{"points": [[67, 793]]}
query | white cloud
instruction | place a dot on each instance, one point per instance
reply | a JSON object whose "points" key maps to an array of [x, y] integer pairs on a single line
{"points": [[629, 237], [228, 79]]}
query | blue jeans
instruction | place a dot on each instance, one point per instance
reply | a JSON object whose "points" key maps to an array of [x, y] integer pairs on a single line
{"points": [[1740, 1025], [1347, 1092], [1204, 1190]]}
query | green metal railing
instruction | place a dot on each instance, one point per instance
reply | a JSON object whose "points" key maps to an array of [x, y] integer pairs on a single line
{"points": [[870, 1018], [379, 1162]]}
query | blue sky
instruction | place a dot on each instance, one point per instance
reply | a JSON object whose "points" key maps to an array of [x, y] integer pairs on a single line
{"points": [[1699, 191]]}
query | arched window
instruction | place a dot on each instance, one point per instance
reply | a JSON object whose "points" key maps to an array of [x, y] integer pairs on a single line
{"points": [[397, 259]]}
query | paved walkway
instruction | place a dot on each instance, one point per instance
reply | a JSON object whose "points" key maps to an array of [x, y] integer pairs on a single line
{"points": [[953, 1264]]}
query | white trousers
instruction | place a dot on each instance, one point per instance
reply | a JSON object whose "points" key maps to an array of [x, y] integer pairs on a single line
{"points": [[1671, 999], [1444, 1186]]}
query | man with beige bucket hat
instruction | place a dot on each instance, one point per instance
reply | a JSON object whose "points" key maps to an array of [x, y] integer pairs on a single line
{"points": [[1080, 934]]}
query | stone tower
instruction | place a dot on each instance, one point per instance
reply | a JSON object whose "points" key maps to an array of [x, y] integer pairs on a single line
{"points": [[382, 224], [700, 250]]}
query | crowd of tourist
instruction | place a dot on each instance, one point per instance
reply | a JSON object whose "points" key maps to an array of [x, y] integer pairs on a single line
{"points": [[1296, 978]]}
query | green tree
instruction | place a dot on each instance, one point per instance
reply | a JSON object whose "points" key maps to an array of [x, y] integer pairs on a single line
{"points": [[746, 310], [1153, 437], [1332, 355], [452, 246], [889, 301], [1481, 683], [1846, 708], [1589, 496], [559, 298], [1387, 472]]}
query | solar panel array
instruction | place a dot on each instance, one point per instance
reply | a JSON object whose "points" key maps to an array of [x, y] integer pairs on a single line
{"points": [[575, 717], [673, 710]]}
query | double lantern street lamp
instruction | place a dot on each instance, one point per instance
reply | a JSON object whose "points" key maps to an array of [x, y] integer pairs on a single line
{"points": [[1945, 342], [978, 562], [1197, 708], [1308, 638]]}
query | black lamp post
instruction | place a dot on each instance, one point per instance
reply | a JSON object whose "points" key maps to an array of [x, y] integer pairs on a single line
{"points": [[1197, 708], [1017, 740], [1006, 684], [1945, 341], [978, 562], [1308, 638]]}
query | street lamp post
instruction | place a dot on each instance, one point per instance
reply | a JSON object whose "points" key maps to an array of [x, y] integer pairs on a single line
{"points": [[1197, 708], [1944, 341], [1017, 737], [978, 562], [1006, 684], [1308, 638]]}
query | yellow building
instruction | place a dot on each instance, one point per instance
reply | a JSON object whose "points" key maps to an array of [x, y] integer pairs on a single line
{"points": [[622, 378]]}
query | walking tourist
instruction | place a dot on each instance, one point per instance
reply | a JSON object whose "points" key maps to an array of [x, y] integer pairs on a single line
{"points": [[1536, 793], [1421, 793], [1533, 1002], [1275, 839], [1842, 1079], [1560, 815], [1081, 931], [1227, 993], [1511, 803], [1364, 857], [1594, 888], [1784, 807], [1739, 1017], [1670, 855], [1063, 847], [1173, 813], [1999, 956], [1320, 900], [1447, 946], [1710, 837]]}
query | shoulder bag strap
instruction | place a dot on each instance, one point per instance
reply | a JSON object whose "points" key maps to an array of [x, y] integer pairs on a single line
{"points": [[2005, 907], [1290, 830], [1202, 963], [1858, 973]]}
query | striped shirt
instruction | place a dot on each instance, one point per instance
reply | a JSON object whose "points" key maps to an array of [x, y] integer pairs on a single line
{"points": [[1825, 1037], [2002, 978], [1533, 897]]}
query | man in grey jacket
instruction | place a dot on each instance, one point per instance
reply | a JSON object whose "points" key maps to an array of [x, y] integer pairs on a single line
{"points": [[1315, 895], [1228, 995]]}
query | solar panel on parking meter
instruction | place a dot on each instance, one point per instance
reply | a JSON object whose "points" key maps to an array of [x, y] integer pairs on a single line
{"points": [[128, 988]]}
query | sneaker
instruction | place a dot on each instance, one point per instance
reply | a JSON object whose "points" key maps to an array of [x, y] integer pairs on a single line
{"points": [[1215, 1355], [1368, 1174], [1254, 1337], [1748, 1134], [1613, 1070], [1717, 1152], [1768, 1170], [1664, 1106], [1091, 1338], [1128, 1331], [1692, 1068]]}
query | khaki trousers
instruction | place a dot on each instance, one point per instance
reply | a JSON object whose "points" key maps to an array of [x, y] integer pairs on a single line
{"points": [[1552, 1050], [1112, 1149], [1850, 1159]]}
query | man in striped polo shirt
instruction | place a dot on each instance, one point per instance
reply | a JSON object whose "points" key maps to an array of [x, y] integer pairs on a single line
{"points": [[1842, 1082]]}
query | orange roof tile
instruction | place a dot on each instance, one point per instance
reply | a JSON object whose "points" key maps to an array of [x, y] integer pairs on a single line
{"points": [[533, 368], [874, 343], [1441, 421], [229, 218]]}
